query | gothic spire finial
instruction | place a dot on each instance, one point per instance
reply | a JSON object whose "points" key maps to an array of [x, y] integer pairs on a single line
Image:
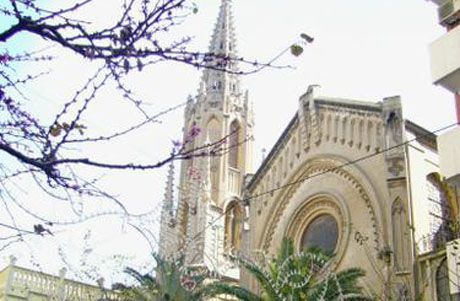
{"points": [[223, 46], [223, 39]]}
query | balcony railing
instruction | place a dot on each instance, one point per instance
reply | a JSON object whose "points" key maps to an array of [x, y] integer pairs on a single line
{"points": [[434, 242], [24, 282]]}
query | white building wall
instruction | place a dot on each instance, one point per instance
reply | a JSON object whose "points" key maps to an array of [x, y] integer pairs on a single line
{"points": [[423, 161]]}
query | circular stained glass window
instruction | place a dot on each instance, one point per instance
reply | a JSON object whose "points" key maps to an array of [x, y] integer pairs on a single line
{"points": [[322, 232]]}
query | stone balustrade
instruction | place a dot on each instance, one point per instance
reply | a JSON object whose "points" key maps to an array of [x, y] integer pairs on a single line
{"points": [[25, 284]]}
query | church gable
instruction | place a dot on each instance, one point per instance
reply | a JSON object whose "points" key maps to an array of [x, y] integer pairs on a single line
{"points": [[322, 122], [339, 164]]}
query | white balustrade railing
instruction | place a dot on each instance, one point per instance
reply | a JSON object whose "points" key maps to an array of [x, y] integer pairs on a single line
{"points": [[28, 281]]}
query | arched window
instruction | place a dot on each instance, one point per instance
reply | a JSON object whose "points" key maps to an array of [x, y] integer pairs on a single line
{"points": [[233, 227], [322, 232], [233, 156], [442, 282]]}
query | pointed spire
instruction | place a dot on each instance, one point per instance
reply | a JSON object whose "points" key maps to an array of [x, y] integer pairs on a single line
{"points": [[223, 42], [224, 39]]}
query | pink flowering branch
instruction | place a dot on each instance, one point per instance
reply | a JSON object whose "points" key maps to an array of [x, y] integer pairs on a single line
{"points": [[50, 151]]}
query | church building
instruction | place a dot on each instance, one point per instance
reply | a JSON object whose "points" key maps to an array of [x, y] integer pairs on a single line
{"points": [[352, 177]]}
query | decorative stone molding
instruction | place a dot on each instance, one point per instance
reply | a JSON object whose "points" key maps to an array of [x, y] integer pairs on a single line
{"points": [[311, 209], [318, 166]]}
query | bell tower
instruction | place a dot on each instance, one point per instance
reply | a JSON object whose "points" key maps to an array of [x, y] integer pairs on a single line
{"points": [[210, 214]]}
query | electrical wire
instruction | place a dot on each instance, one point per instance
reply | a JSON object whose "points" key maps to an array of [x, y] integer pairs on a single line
{"points": [[353, 162]]}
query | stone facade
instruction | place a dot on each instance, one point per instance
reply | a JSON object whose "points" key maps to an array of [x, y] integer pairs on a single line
{"points": [[347, 159], [212, 186], [360, 164]]}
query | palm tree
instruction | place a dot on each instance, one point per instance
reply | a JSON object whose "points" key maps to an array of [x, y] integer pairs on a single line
{"points": [[290, 276], [173, 282], [146, 290]]}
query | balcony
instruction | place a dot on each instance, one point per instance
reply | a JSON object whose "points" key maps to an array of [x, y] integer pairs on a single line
{"points": [[434, 242], [449, 154], [448, 12], [24, 284], [445, 60]]}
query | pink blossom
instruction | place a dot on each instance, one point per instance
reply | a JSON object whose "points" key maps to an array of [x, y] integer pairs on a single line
{"points": [[194, 131], [4, 58], [177, 144]]}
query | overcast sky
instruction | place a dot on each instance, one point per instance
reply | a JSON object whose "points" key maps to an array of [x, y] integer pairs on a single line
{"points": [[364, 50]]}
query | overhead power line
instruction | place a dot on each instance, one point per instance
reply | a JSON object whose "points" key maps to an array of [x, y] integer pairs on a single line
{"points": [[353, 162]]}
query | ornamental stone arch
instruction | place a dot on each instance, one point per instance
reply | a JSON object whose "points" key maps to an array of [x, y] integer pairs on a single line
{"points": [[324, 204], [233, 225], [337, 168]]}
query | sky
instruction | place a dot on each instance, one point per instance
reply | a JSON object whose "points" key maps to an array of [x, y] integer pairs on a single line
{"points": [[364, 50]]}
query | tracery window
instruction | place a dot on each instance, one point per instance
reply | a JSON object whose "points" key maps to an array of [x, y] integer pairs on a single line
{"points": [[322, 232]]}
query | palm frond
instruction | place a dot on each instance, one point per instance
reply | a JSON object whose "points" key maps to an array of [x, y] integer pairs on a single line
{"points": [[219, 288], [266, 282]]}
